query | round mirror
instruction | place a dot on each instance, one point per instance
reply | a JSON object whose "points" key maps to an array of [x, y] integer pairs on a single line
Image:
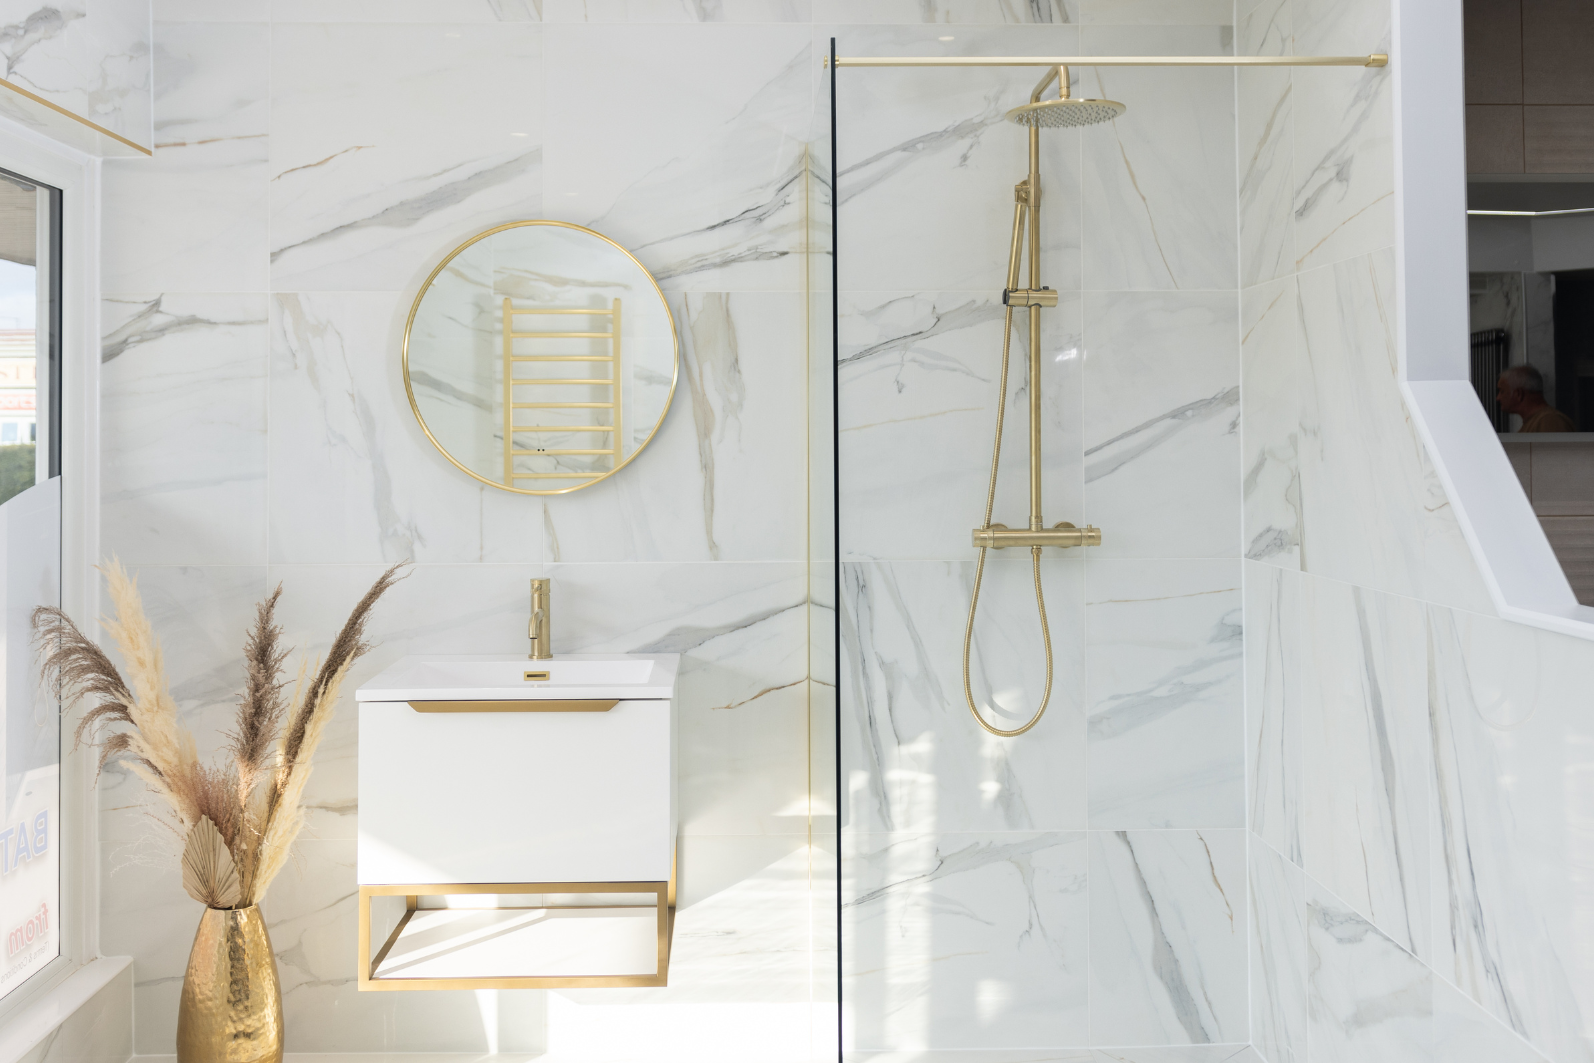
{"points": [[540, 357]]}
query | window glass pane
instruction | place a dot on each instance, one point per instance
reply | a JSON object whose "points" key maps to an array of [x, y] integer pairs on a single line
{"points": [[30, 566]]}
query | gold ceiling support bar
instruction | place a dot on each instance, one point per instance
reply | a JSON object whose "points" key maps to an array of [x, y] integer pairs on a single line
{"points": [[1376, 59]]}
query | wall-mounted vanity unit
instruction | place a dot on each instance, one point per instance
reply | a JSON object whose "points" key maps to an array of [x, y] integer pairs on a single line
{"points": [[517, 822]]}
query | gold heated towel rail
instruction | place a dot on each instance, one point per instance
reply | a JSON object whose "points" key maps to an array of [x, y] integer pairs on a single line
{"points": [[511, 382]]}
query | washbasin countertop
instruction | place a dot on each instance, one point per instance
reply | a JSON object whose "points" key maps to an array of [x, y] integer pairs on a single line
{"points": [[494, 677]]}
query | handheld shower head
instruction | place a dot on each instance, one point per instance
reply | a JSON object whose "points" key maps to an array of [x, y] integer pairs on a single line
{"points": [[1058, 114]]}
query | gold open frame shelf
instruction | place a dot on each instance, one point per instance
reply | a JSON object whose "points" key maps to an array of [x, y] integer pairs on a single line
{"points": [[664, 900]]}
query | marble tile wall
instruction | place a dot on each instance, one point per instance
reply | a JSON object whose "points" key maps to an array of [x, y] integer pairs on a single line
{"points": [[1078, 892], [314, 161], [88, 61], [1415, 765]]}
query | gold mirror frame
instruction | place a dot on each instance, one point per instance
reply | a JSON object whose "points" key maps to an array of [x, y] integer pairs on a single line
{"points": [[409, 323]]}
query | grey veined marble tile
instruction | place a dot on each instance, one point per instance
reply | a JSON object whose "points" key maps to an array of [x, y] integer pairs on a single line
{"points": [[958, 941], [1168, 937], [1166, 729]]}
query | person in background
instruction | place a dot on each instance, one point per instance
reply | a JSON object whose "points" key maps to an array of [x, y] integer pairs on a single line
{"points": [[1521, 391]]}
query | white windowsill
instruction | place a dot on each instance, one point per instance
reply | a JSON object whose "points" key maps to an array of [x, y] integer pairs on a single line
{"points": [[27, 1028]]}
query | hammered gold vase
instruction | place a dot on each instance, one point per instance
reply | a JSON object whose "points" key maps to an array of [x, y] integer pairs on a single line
{"points": [[231, 1010]]}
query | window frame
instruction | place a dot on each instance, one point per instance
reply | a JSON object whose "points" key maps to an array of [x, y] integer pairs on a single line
{"points": [[74, 387]]}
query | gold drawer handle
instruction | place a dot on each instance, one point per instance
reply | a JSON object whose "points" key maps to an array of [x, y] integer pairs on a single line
{"points": [[514, 706]]}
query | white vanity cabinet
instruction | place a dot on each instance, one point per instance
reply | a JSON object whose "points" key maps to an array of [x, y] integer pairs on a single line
{"points": [[519, 808]]}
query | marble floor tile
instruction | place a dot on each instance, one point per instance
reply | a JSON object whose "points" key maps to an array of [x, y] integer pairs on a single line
{"points": [[1367, 755], [685, 107], [913, 758], [1167, 937], [1278, 956], [183, 429], [919, 379], [1343, 132], [195, 217], [926, 163], [1369, 999], [1500, 893], [964, 940], [1161, 411], [1265, 129], [1159, 180], [373, 183], [1274, 659], [1275, 375], [1167, 719]]}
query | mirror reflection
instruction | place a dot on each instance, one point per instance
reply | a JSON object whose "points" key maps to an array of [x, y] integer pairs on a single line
{"points": [[540, 357]]}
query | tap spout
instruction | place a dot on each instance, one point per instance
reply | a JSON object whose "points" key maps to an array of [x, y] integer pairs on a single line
{"points": [[540, 629]]}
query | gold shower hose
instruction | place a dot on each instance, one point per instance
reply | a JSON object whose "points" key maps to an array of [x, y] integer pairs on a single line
{"points": [[979, 568]]}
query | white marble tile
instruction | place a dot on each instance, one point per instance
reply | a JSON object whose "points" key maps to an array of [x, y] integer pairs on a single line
{"points": [[1494, 689], [954, 12], [724, 478], [1167, 937], [634, 11], [1159, 1054], [1235, 1053], [1368, 999], [1274, 662], [913, 758], [1275, 373], [1343, 131], [435, 11], [963, 941], [1159, 181], [373, 181], [684, 108], [90, 57], [926, 164], [1162, 421], [1367, 755], [211, 11], [1265, 129], [1157, 12], [919, 378], [1278, 956], [1359, 452], [195, 217], [1167, 723], [353, 478], [183, 429], [1465, 1033]]}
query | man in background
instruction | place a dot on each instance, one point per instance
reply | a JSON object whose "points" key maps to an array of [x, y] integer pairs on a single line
{"points": [[1521, 391]]}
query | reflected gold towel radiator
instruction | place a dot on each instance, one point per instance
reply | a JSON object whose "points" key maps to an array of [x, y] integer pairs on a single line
{"points": [[511, 382]]}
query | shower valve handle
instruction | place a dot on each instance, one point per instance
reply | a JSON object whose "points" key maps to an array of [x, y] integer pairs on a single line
{"points": [[1000, 536]]}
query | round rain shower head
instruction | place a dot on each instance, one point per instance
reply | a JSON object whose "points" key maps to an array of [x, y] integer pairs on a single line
{"points": [[1058, 114]]}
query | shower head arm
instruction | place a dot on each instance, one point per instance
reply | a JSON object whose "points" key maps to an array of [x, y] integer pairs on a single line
{"points": [[1057, 73]]}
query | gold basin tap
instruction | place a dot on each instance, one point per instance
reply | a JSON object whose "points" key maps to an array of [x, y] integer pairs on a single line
{"points": [[540, 630]]}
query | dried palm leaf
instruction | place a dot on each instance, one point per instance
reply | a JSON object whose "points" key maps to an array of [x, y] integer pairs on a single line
{"points": [[209, 874]]}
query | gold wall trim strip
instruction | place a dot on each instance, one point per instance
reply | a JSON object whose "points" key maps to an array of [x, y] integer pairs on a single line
{"points": [[20, 91], [1376, 59], [583, 705]]}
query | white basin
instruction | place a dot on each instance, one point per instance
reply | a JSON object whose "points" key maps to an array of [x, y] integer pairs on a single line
{"points": [[573, 676]]}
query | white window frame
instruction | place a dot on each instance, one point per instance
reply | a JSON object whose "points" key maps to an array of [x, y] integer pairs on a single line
{"points": [[77, 175], [1521, 572]]}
